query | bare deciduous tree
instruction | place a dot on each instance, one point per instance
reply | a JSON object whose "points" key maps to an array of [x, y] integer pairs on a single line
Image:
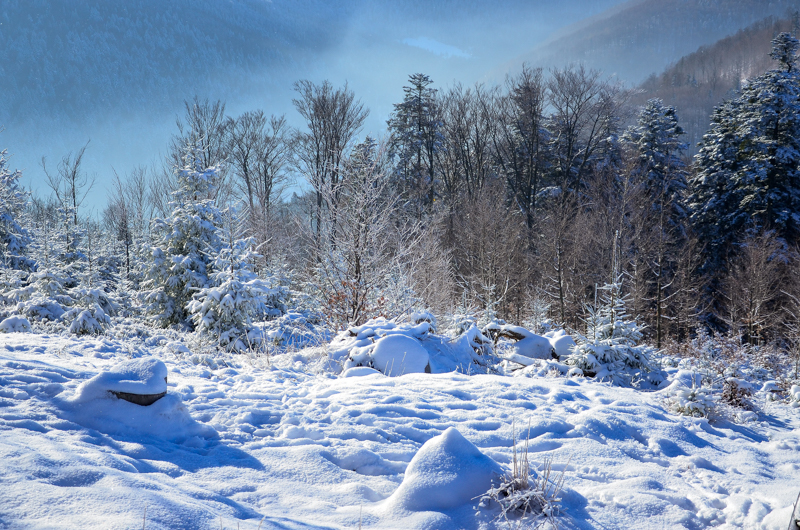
{"points": [[333, 118], [70, 185]]}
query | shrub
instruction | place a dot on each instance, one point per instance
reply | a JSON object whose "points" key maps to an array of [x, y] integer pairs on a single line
{"points": [[526, 495]]}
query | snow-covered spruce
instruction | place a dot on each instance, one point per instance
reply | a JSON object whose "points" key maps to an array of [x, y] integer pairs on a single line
{"points": [[225, 309], [611, 348], [177, 263]]}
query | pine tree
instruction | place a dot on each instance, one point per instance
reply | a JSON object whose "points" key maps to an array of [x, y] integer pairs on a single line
{"points": [[235, 295], [749, 162], [416, 138], [611, 348], [177, 264]]}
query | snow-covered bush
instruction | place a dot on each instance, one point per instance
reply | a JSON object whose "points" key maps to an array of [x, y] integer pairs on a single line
{"points": [[611, 348], [176, 264], [737, 393], [296, 330], [15, 324], [696, 401]]}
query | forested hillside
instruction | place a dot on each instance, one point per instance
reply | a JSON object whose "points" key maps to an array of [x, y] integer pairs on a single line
{"points": [[641, 37], [698, 82]]}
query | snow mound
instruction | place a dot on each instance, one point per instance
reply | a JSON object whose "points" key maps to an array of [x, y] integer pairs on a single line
{"points": [[410, 347], [399, 354], [359, 371], [136, 376], [94, 406], [563, 345], [520, 341], [15, 324], [447, 472]]}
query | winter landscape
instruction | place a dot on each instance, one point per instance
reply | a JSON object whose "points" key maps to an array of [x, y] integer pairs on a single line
{"points": [[534, 296]]}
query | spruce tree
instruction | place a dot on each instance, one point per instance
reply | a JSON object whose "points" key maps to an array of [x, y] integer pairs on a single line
{"points": [[177, 263], [416, 138], [14, 239], [656, 141], [749, 161]]}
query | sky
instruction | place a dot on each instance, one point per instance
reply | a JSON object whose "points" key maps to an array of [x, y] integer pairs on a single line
{"points": [[115, 75]]}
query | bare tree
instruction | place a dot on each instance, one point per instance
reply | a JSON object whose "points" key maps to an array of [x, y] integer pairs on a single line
{"points": [[129, 210], [204, 124], [362, 249], [585, 115], [71, 185], [333, 119], [488, 260], [753, 286], [520, 139]]}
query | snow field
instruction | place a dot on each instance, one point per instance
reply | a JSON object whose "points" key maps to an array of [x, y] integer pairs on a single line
{"points": [[230, 445]]}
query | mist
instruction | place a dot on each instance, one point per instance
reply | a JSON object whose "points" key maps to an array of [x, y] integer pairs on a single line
{"points": [[116, 74]]}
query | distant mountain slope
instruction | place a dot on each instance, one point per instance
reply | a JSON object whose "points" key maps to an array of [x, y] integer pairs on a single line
{"points": [[641, 37], [74, 58], [698, 82]]}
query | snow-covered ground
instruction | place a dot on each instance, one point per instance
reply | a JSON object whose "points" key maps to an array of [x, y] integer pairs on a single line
{"points": [[242, 444]]}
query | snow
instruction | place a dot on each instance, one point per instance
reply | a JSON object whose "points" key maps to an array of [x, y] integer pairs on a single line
{"points": [[15, 324], [448, 471], [240, 441], [399, 354]]}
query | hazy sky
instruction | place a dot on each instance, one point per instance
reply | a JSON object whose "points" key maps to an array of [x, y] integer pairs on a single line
{"points": [[373, 46]]}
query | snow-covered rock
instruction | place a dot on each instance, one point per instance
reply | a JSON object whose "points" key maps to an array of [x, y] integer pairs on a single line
{"points": [[15, 324], [400, 354], [563, 344], [410, 347], [526, 343], [136, 376], [448, 471]]}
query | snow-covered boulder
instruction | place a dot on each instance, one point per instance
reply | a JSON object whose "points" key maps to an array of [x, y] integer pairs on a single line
{"points": [[563, 345], [447, 472], [15, 324], [409, 347], [400, 354], [392, 355], [526, 343], [140, 381], [96, 405]]}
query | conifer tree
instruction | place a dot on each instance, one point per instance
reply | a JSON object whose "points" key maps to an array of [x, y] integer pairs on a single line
{"points": [[416, 138], [611, 348], [749, 162], [178, 262], [235, 295]]}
